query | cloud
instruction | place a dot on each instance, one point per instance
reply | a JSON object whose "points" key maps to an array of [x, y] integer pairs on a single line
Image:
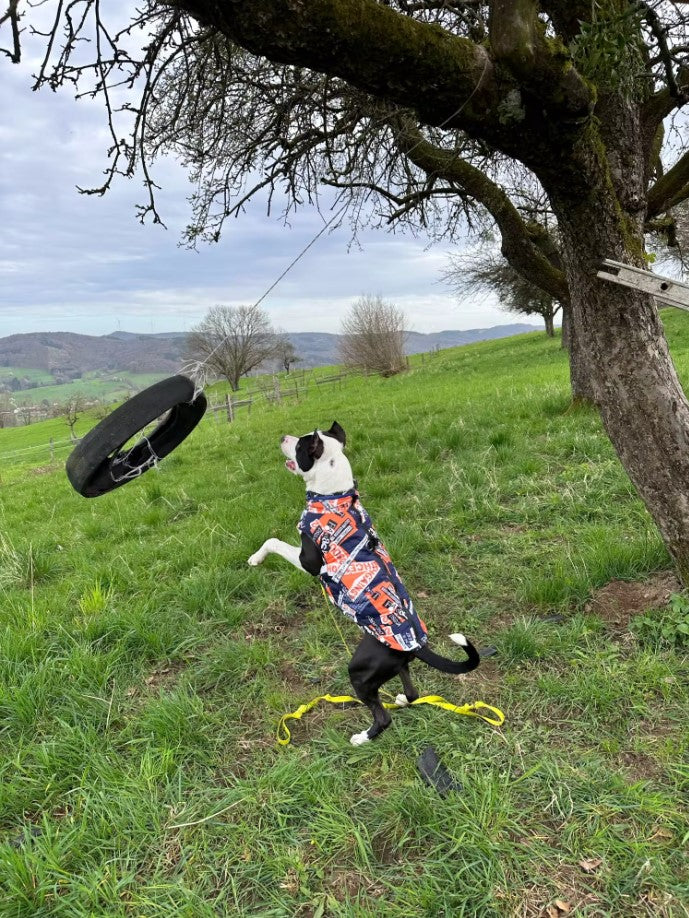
{"points": [[84, 263]]}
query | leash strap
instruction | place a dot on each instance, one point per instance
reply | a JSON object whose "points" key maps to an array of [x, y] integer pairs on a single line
{"points": [[470, 710]]}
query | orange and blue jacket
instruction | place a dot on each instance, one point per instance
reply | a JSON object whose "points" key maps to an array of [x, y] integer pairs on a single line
{"points": [[357, 573]]}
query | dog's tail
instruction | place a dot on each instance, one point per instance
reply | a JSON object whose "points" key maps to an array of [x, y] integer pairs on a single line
{"points": [[451, 666]]}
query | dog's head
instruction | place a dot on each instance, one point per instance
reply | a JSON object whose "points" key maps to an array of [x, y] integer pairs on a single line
{"points": [[319, 459]]}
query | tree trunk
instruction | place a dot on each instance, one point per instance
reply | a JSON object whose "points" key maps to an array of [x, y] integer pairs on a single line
{"points": [[566, 326], [580, 376], [549, 320], [642, 404]]}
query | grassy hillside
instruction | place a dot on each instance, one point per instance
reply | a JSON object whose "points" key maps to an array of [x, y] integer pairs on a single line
{"points": [[144, 667], [108, 388]]}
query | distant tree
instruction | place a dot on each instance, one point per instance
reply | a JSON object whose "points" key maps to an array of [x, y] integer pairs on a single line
{"points": [[6, 410], [24, 413], [285, 351], [479, 273], [373, 336], [232, 341], [71, 410]]}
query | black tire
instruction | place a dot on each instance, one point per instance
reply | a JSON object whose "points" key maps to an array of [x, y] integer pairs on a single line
{"points": [[97, 464]]}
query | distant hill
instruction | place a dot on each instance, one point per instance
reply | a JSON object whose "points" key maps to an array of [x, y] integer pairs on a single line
{"points": [[67, 355], [320, 349]]}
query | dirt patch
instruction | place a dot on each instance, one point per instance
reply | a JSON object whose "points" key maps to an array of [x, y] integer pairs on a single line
{"points": [[620, 600], [277, 622], [43, 470], [570, 891], [639, 766], [162, 677], [487, 679], [348, 885]]}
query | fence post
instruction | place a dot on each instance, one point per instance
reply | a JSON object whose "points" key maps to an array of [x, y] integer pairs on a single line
{"points": [[52, 452], [276, 388], [230, 412]]}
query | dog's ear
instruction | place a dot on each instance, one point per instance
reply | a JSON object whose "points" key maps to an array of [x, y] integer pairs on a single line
{"points": [[337, 432], [315, 446], [309, 448]]}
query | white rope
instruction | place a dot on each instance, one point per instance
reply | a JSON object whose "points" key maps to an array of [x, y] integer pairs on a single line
{"points": [[122, 459], [194, 369]]}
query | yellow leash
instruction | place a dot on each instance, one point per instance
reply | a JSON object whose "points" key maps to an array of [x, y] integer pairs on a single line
{"points": [[470, 710]]}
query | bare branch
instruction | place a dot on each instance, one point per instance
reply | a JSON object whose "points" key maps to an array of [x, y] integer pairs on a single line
{"points": [[517, 245], [12, 15], [669, 190]]}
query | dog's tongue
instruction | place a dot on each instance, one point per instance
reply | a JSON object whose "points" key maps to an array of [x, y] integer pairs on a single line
{"points": [[291, 465]]}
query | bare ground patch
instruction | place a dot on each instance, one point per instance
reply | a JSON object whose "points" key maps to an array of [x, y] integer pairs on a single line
{"points": [[621, 600], [162, 677]]}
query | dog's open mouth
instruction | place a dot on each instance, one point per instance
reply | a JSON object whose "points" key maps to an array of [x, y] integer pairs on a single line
{"points": [[291, 465]]}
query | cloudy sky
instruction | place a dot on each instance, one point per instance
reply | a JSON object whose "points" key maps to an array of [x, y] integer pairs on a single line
{"points": [[71, 262]]}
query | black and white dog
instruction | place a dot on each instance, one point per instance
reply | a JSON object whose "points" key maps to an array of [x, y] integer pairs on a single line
{"points": [[340, 546]]}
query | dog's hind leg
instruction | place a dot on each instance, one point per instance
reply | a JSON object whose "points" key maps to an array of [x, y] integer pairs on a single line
{"points": [[381, 718], [367, 672], [410, 691]]}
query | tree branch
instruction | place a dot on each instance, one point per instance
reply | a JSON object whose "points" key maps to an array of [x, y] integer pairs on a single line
{"points": [[518, 40], [669, 190], [566, 15], [518, 246], [447, 79], [12, 15]]}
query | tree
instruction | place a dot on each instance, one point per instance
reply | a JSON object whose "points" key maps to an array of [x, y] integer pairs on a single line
{"points": [[6, 410], [432, 112], [70, 411], [285, 351], [232, 341], [486, 271], [373, 336]]}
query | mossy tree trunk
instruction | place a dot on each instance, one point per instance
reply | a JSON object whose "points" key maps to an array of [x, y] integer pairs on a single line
{"points": [[634, 382]]}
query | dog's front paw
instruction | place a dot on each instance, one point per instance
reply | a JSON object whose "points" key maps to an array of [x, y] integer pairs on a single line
{"points": [[358, 739], [257, 558]]}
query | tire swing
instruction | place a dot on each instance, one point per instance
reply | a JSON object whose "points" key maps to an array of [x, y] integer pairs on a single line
{"points": [[99, 463]]}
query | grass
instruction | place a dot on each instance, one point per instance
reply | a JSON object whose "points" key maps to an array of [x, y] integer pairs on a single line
{"points": [[109, 388], [144, 667]]}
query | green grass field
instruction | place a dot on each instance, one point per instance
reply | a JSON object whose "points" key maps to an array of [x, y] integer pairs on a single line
{"points": [[144, 667], [109, 388]]}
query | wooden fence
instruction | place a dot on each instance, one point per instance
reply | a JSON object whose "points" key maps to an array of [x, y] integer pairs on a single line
{"points": [[271, 392]]}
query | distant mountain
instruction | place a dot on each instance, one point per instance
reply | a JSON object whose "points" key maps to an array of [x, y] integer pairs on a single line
{"points": [[67, 355], [319, 348]]}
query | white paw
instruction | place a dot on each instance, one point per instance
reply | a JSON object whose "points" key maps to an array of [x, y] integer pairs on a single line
{"points": [[358, 739], [401, 701], [459, 639], [257, 558]]}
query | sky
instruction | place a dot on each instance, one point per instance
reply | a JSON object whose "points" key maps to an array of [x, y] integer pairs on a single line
{"points": [[72, 262]]}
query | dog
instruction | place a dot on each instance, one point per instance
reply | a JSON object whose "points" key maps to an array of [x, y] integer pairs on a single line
{"points": [[340, 547]]}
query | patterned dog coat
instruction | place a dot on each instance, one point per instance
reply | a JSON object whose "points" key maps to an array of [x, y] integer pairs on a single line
{"points": [[357, 573]]}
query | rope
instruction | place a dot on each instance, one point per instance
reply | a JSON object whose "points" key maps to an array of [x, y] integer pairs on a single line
{"points": [[468, 710], [194, 369], [134, 471]]}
